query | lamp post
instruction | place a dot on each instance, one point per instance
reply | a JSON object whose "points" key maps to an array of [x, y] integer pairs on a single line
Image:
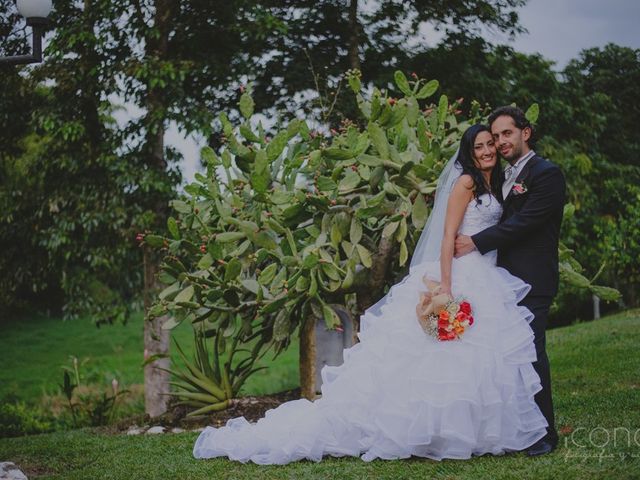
{"points": [[36, 13]]}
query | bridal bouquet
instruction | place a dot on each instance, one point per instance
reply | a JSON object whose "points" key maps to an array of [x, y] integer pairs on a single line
{"points": [[441, 316]]}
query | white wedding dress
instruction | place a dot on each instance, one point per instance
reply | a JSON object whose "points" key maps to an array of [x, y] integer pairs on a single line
{"points": [[400, 392]]}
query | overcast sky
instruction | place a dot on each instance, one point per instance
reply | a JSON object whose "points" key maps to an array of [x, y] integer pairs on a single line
{"points": [[558, 29]]}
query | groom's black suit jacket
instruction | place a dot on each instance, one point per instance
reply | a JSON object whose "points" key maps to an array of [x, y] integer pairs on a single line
{"points": [[528, 233]]}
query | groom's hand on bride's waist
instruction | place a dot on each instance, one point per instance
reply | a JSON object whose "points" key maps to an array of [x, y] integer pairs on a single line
{"points": [[463, 245]]}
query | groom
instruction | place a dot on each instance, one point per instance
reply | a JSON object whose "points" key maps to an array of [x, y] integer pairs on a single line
{"points": [[527, 238]]}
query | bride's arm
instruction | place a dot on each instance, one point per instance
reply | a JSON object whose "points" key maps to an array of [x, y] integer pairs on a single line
{"points": [[459, 198]]}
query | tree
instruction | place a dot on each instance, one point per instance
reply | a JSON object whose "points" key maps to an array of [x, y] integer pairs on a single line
{"points": [[328, 39], [596, 143], [14, 41], [599, 88], [65, 204], [84, 186], [173, 81], [16, 101], [470, 68]]}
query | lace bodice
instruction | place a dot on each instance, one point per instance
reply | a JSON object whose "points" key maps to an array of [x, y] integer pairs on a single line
{"points": [[479, 216]]}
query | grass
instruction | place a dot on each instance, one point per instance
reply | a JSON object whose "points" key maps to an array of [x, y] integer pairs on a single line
{"points": [[597, 399], [35, 350]]}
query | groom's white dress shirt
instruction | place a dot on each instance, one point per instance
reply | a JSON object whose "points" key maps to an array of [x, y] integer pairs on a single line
{"points": [[512, 172]]}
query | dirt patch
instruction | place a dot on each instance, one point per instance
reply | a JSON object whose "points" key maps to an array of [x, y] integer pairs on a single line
{"points": [[251, 408], [33, 470]]}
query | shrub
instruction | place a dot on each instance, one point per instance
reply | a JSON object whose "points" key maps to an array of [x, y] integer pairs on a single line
{"points": [[16, 418]]}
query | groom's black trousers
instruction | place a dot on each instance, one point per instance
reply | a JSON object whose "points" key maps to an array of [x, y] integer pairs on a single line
{"points": [[539, 306]]}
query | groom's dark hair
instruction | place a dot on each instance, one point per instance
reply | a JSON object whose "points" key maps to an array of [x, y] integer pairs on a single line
{"points": [[519, 119]]}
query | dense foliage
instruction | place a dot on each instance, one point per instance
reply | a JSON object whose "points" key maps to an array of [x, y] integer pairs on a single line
{"points": [[77, 185], [282, 226]]}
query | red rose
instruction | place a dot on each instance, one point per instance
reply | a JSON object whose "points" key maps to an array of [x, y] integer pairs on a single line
{"points": [[444, 334], [470, 320], [443, 319], [465, 307]]}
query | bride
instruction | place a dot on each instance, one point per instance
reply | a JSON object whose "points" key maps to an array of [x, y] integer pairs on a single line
{"points": [[402, 393]]}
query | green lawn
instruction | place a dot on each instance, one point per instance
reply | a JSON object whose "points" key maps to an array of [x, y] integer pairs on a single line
{"points": [[35, 350], [597, 397]]}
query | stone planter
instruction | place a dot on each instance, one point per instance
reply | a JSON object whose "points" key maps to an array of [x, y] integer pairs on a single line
{"points": [[320, 346]]}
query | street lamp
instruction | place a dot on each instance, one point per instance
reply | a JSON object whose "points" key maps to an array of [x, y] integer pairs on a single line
{"points": [[36, 13]]}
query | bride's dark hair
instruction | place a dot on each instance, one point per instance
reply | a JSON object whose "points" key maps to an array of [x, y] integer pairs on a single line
{"points": [[465, 160]]}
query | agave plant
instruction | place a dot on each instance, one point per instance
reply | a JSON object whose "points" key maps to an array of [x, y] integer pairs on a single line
{"points": [[205, 385]]}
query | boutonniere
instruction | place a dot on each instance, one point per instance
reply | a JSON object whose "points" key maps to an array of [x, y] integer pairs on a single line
{"points": [[519, 188]]}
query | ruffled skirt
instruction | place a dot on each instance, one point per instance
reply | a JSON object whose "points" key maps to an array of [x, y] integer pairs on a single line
{"points": [[400, 393]]}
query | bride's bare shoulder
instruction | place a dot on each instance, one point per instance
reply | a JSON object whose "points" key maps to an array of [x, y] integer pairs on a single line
{"points": [[462, 191], [465, 181]]}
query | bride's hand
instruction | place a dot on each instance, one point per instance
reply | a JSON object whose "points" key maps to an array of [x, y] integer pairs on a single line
{"points": [[445, 289]]}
